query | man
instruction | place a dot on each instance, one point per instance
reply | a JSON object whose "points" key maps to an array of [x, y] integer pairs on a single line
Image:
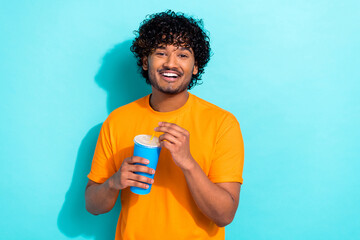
{"points": [[195, 192]]}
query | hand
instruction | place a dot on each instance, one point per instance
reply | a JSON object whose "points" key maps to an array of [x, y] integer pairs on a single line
{"points": [[176, 140], [126, 176]]}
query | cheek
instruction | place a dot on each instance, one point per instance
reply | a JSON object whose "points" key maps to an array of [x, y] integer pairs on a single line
{"points": [[152, 66], [151, 70], [152, 73]]}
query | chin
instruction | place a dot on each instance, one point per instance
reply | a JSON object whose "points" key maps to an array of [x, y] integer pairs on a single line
{"points": [[171, 91], [168, 89]]}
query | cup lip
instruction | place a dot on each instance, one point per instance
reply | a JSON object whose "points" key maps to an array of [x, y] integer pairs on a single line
{"points": [[145, 145]]}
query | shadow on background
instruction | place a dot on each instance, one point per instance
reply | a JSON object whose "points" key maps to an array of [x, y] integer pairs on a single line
{"points": [[118, 75]]}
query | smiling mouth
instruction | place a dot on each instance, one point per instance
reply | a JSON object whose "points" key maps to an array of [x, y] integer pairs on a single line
{"points": [[170, 76]]}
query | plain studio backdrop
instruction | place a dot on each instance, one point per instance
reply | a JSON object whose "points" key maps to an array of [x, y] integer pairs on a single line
{"points": [[288, 70]]}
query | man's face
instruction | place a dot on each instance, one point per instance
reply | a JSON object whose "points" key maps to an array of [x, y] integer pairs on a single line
{"points": [[170, 68]]}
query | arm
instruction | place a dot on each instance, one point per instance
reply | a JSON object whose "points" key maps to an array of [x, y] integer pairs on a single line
{"points": [[101, 197], [218, 201]]}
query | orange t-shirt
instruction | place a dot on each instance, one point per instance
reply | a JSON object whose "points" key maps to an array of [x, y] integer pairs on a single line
{"points": [[169, 211]]}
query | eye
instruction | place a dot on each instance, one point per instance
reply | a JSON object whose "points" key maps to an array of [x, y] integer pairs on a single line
{"points": [[160, 53], [183, 55]]}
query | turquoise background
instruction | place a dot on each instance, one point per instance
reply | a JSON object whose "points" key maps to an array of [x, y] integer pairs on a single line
{"points": [[288, 70]]}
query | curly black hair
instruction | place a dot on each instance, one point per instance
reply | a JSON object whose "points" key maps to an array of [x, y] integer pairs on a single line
{"points": [[170, 28]]}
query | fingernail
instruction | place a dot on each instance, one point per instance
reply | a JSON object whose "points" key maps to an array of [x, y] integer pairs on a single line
{"points": [[153, 171]]}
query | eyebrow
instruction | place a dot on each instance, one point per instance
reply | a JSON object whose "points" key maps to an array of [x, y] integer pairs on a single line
{"points": [[186, 48], [181, 48]]}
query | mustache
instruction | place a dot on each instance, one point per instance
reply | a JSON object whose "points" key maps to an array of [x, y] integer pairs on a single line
{"points": [[170, 69]]}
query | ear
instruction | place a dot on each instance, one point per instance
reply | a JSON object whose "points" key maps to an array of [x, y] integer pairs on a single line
{"points": [[145, 63], [195, 70]]}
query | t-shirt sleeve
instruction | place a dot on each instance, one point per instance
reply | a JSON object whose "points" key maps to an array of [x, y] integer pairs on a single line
{"points": [[228, 159], [103, 165]]}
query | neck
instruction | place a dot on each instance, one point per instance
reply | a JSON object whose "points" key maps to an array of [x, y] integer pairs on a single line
{"points": [[163, 102]]}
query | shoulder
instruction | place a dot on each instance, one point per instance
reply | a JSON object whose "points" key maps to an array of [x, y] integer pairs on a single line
{"points": [[212, 111], [131, 109]]}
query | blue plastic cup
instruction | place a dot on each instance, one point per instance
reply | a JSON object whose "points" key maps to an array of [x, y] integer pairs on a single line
{"points": [[150, 150]]}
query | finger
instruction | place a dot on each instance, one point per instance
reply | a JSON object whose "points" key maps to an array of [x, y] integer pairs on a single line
{"points": [[169, 146], [141, 168], [132, 183], [140, 178], [136, 159], [169, 137], [173, 126], [170, 130]]}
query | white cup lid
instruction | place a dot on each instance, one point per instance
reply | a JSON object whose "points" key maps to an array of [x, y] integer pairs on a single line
{"points": [[144, 139]]}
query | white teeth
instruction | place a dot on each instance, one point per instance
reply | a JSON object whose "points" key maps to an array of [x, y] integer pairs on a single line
{"points": [[170, 74]]}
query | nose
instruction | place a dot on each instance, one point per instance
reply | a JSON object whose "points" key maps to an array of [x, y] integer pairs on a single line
{"points": [[170, 61]]}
